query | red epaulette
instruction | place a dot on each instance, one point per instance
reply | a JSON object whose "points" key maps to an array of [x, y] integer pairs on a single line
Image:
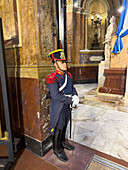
{"points": [[69, 75], [50, 79]]}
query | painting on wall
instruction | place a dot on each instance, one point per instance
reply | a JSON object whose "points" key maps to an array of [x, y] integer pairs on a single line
{"points": [[9, 12]]}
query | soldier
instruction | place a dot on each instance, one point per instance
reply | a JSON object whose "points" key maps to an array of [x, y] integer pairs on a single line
{"points": [[63, 97]]}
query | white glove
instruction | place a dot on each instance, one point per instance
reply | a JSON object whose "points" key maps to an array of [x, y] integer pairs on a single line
{"points": [[75, 100]]}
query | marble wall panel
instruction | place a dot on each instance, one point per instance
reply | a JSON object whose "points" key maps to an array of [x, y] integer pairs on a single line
{"points": [[70, 33], [120, 60], [27, 96], [30, 107], [43, 71], [88, 73], [24, 105], [29, 52], [36, 18], [46, 20], [44, 109], [7, 18], [23, 102], [30, 39]]}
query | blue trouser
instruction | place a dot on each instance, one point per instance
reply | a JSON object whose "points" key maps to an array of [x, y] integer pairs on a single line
{"points": [[64, 117]]}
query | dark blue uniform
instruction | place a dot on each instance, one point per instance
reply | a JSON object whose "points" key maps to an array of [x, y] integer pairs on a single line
{"points": [[60, 109]]}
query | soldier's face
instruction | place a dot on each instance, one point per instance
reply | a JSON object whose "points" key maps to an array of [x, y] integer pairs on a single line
{"points": [[62, 65]]}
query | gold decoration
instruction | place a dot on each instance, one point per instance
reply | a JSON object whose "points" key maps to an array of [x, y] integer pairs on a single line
{"points": [[69, 2], [62, 56], [52, 129]]}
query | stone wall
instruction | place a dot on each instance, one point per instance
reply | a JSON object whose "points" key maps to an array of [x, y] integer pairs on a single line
{"points": [[120, 60]]}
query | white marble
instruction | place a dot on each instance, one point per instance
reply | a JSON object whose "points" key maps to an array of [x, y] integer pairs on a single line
{"points": [[100, 125], [101, 76], [82, 91], [111, 30], [120, 148], [93, 51], [105, 139]]}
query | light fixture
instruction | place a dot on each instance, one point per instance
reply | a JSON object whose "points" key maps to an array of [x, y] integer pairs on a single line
{"points": [[96, 21], [120, 9], [75, 4], [98, 16], [92, 17]]}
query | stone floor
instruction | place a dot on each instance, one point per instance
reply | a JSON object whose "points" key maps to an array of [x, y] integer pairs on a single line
{"points": [[101, 122], [79, 159]]}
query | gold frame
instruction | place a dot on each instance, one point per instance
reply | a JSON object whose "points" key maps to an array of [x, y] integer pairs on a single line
{"points": [[15, 40]]}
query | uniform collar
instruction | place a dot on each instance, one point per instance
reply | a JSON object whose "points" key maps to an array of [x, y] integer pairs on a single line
{"points": [[59, 72]]}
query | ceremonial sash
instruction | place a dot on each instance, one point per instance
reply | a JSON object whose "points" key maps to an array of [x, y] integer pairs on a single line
{"points": [[65, 83]]}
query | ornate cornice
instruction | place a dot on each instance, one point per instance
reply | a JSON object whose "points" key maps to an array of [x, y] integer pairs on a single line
{"points": [[24, 71], [79, 10]]}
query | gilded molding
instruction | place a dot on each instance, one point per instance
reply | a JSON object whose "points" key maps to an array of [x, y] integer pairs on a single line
{"points": [[83, 65], [29, 71]]}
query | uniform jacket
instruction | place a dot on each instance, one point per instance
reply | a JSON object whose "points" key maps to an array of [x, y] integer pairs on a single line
{"points": [[55, 80]]}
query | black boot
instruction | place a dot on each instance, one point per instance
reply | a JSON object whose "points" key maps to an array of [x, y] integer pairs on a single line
{"points": [[58, 151], [65, 144]]}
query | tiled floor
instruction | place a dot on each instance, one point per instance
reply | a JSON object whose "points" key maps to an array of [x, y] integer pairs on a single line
{"points": [[100, 124], [30, 161], [26, 160]]}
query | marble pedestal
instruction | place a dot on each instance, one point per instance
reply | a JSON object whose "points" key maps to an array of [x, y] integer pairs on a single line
{"points": [[115, 81], [101, 77]]}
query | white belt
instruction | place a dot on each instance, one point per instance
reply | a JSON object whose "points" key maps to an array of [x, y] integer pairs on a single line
{"points": [[68, 95], [65, 83]]}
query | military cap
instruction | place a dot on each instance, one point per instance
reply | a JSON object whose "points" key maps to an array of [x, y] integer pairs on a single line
{"points": [[57, 55]]}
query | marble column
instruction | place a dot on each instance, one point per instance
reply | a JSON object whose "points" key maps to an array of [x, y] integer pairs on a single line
{"points": [[86, 32], [77, 35], [79, 32], [69, 25], [82, 31]]}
